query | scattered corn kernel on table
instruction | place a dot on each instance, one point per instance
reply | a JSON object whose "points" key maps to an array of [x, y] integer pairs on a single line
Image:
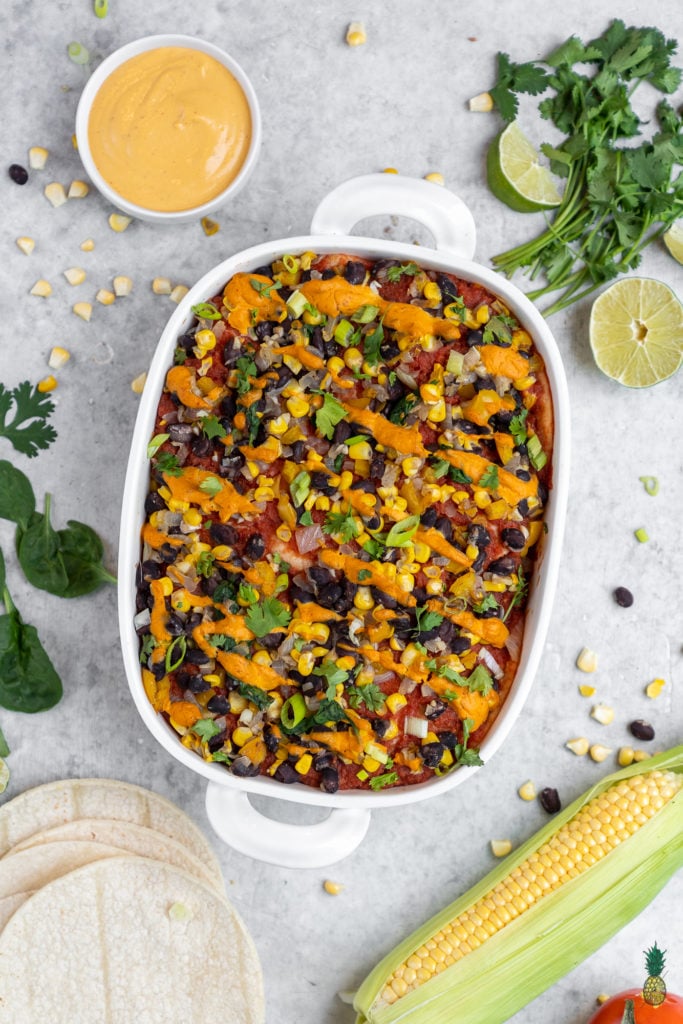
{"points": [[394, 95]]}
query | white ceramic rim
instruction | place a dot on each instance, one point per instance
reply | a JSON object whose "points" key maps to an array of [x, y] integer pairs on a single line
{"points": [[114, 61], [546, 572]]}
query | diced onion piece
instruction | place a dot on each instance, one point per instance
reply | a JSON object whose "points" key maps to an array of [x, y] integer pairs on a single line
{"points": [[491, 663], [308, 538], [143, 618], [414, 726]]}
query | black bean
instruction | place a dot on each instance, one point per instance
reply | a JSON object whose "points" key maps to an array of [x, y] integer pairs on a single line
{"points": [[623, 597], [286, 773], [394, 388], [502, 420], [265, 271], [449, 290], [244, 768], [523, 474], [330, 594], [478, 563], [328, 274], [641, 730], [373, 522], [377, 466], [319, 481], [175, 625], [348, 593], [449, 739], [354, 272], [329, 782], [216, 742], [158, 670], [504, 566], [523, 507], [298, 593], [380, 726], [542, 492], [478, 535], [320, 575], [196, 656], [384, 599], [421, 595], [186, 342], [223, 533], [18, 174], [513, 538], [459, 645], [485, 383], [229, 406], [167, 553], [284, 374], [255, 547], [342, 432], [434, 709], [317, 341], [154, 502], [366, 486], [431, 754], [446, 631], [181, 432], [445, 527], [218, 705], [270, 739], [324, 759], [311, 686], [404, 627], [151, 570], [474, 338], [428, 517], [549, 800], [271, 640], [466, 427], [298, 451], [197, 684], [202, 446]]}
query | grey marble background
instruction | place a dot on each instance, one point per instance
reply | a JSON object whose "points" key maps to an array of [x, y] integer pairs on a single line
{"points": [[331, 112]]}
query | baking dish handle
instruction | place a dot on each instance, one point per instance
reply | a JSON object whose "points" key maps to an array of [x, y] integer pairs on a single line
{"points": [[237, 822], [439, 210]]}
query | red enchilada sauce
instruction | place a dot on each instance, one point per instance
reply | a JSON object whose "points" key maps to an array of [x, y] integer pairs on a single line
{"points": [[349, 469]]}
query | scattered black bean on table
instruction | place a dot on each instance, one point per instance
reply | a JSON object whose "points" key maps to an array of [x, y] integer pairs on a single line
{"points": [[642, 730], [549, 800], [623, 597], [18, 174]]}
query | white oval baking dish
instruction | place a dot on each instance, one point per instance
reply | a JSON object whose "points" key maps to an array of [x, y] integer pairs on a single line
{"points": [[231, 814]]}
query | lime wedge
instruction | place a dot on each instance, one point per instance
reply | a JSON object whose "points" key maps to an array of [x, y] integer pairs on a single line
{"points": [[673, 240], [515, 175], [636, 332]]}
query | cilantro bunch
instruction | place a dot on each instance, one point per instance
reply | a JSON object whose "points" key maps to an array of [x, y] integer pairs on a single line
{"points": [[617, 198]]}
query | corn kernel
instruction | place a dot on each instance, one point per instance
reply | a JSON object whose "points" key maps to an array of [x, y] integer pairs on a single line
{"points": [[137, 385], [262, 658], [395, 701], [599, 753], [87, 245], [37, 157], [117, 222], [653, 689], [241, 735], [283, 533], [482, 103], [434, 587], [123, 285], [431, 392], [181, 602], [279, 425], [371, 764], [55, 193], [625, 756], [42, 288], [527, 791], [26, 244], [578, 746], [406, 581], [210, 227], [602, 713], [500, 847], [411, 466], [587, 661], [355, 34], [436, 177], [483, 314], [297, 406], [305, 663], [361, 451], [47, 384], [586, 691], [161, 286], [178, 293], [83, 310], [105, 297], [333, 888], [58, 357], [640, 755], [363, 599], [303, 765], [437, 413], [166, 586], [78, 190], [212, 679]]}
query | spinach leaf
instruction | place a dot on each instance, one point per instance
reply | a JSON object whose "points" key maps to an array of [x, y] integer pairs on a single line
{"points": [[82, 551], [28, 680], [38, 549], [17, 501]]}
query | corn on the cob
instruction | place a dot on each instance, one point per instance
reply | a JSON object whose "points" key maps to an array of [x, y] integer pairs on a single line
{"points": [[548, 906]]}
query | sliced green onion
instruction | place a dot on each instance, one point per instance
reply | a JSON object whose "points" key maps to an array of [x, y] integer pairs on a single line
{"points": [[156, 443], [101, 8], [296, 304], [78, 53], [291, 263], [293, 711], [454, 364], [211, 486], [402, 533], [641, 535], [650, 483], [343, 332], [365, 314], [181, 643], [300, 487], [206, 311], [537, 456]]}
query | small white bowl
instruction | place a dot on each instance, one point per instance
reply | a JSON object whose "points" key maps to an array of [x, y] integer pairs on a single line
{"points": [[111, 64]]}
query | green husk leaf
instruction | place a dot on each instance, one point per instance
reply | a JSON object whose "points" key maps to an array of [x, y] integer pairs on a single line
{"points": [[534, 951]]}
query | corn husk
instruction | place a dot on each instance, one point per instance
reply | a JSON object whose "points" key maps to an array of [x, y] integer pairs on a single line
{"points": [[557, 933]]}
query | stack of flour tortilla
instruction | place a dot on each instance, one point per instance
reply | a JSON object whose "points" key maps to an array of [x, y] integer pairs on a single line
{"points": [[112, 910]]}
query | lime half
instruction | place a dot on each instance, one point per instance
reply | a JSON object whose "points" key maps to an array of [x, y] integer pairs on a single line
{"points": [[673, 240], [516, 176], [636, 332], [4, 775]]}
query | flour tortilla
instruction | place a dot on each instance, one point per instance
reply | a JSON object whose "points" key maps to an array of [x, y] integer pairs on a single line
{"points": [[145, 842], [58, 802], [127, 940]]}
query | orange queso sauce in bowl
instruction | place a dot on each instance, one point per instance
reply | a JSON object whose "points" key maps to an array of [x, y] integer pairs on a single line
{"points": [[168, 128]]}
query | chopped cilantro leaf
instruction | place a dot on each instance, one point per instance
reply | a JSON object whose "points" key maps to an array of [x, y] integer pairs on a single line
{"points": [[257, 696], [211, 485], [380, 781], [266, 616], [247, 593], [499, 328], [374, 547], [148, 645], [370, 695], [225, 591], [487, 604], [253, 422], [372, 344], [264, 288], [395, 274], [426, 620], [364, 575], [205, 728], [168, 464], [330, 413], [213, 427], [518, 426], [246, 368], [520, 592], [489, 478], [400, 409], [222, 641], [204, 564], [343, 524]]}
